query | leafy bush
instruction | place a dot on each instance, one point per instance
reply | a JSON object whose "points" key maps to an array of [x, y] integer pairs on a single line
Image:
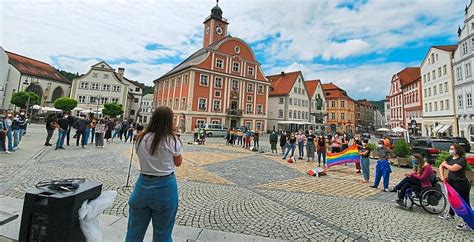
{"points": [[20, 99], [372, 146], [401, 149], [112, 109], [442, 157], [65, 103]]}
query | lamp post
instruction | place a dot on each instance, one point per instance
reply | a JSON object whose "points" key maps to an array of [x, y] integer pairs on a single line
{"points": [[97, 107]]}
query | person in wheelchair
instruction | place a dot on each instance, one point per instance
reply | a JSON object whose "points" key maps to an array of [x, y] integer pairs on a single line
{"points": [[417, 180]]}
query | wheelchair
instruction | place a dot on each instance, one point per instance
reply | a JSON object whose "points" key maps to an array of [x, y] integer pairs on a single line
{"points": [[431, 199]]}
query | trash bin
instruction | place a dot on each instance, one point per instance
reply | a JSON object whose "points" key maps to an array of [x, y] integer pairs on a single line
{"points": [[52, 216]]}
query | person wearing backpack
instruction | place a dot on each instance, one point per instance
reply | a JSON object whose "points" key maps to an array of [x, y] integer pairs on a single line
{"points": [[273, 141]]}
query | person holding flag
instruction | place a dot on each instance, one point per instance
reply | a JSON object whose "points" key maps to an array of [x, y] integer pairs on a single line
{"points": [[456, 164]]}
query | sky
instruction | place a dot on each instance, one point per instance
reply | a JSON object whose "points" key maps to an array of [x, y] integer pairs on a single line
{"points": [[357, 45]]}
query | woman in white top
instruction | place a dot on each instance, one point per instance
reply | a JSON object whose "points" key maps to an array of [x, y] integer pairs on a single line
{"points": [[155, 196]]}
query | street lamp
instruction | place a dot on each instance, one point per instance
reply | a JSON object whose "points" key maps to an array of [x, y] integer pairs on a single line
{"points": [[97, 107]]}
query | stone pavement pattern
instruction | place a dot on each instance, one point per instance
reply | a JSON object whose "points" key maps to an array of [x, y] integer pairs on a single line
{"points": [[233, 190]]}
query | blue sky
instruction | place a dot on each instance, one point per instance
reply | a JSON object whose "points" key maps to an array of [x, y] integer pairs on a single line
{"points": [[357, 44]]}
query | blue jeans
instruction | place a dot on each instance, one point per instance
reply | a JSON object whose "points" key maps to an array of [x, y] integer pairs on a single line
{"points": [[16, 137], [291, 147], [301, 149], [154, 199], [321, 155], [61, 136], [364, 164], [22, 132], [10, 139], [382, 169], [87, 135]]}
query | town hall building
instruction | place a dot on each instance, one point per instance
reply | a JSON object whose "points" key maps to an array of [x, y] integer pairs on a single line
{"points": [[221, 83]]}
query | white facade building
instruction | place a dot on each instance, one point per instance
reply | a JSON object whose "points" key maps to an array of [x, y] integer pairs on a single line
{"points": [[386, 121], [379, 120], [101, 84], [3, 74], [288, 102], [146, 109], [26, 74], [438, 92], [463, 79]]}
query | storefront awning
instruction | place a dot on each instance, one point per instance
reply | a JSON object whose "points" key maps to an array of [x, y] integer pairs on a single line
{"points": [[444, 128], [294, 122], [437, 128]]}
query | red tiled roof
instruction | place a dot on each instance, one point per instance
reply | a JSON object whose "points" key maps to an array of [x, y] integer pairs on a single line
{"points": [[282, 83], [449, 48], [332, 91], [311, 85], [34, 67], [409, 75]]}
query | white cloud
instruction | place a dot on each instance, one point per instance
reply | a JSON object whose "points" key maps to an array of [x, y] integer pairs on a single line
{"points": [[370, 81], [80, 32], [345, 49]]}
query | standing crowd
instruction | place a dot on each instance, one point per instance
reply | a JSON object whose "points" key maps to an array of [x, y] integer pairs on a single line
{"points": [[85, 129], [89, 130]]}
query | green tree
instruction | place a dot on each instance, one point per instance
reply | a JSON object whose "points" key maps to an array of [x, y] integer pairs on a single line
{"points": [[401, 149], [20, 99], [112, 109], [65, 103]]}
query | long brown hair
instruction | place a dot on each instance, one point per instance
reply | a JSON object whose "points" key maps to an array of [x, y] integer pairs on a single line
{"points": [[421, 162], [161, 125]]}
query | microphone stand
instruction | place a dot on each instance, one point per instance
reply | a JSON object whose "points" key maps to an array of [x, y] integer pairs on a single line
{"points": [[130, 165]]}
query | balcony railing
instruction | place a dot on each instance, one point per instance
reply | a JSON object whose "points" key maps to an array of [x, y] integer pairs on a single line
{"points": [[234, 112]]}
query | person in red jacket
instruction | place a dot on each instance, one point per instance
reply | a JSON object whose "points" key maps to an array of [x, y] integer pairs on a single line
{"points": [[415, 180]]}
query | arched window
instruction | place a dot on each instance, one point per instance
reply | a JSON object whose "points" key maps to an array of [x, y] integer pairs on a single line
{"points": [[57, 93]]}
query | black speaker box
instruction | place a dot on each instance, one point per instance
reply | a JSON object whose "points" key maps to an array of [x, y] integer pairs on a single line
{"points": [[52, 216]]}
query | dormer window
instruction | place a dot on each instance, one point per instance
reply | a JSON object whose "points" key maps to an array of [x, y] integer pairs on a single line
{"points": [[250, 71]]}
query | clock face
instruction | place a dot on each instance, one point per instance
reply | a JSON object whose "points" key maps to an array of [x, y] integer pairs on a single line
{"points": [[219, 30]]}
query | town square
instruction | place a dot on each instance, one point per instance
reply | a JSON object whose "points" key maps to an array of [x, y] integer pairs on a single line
{"points": [[236, 120]]}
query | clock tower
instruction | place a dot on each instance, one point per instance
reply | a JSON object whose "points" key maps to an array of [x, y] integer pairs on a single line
{"points": [[215, 26]]}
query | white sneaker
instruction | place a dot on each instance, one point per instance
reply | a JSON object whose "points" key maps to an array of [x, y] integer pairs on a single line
{"points": [[8, 152], [446, 216], [463, 226], [77, 147]]}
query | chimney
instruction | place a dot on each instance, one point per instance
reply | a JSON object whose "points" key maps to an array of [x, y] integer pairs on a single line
{"points": [[120, 72], [282, 73]]}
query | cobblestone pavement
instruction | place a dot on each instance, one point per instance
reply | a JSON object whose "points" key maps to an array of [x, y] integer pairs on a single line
{"points": [[234, 190]]}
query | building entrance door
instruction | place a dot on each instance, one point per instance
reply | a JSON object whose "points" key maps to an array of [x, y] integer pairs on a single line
{"points": [[233, 123]]}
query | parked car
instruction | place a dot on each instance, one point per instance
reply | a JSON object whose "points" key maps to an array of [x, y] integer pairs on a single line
{"points": [[218, 130], [462, 142], [470, 160], [430, 148], [365, 136]]}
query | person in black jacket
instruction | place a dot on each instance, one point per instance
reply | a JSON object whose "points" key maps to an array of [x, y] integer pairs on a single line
{"points": [[283, 142], [70, 121], [50, 126], [80, 126], [63, 126]]}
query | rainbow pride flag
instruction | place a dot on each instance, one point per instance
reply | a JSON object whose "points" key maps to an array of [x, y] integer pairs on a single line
{"points": [[349, 155]]}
